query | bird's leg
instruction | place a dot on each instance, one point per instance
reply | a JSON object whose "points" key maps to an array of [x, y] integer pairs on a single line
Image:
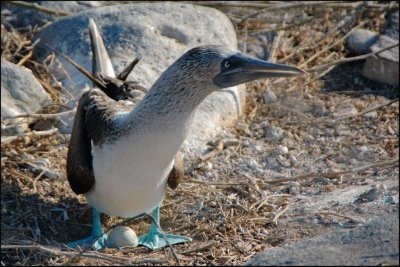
{"points": [[156, 239], [97, 238]]}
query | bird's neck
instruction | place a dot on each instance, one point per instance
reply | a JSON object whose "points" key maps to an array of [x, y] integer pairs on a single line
{"points": [[171, 102]]}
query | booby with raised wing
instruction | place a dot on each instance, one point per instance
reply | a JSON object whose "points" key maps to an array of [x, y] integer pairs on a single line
{"points": [[120, 156]]}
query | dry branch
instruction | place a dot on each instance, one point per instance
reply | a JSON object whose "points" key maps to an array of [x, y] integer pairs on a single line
{"points": [[92, 255], [47, 10], [217, 149], [316, 55], [201, 248], [333, 214], [41, 116], [350, 59], [9, 139], [333, 175], [282, 6], [329, 120]]}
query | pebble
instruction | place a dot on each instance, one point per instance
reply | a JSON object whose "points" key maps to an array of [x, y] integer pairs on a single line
{"points": [[269, 97], [256, 148], [360, 41], [283, 161], [347, 111], [205, 166], [363, 149], [252, 163], [372, 114], [122, 236], [390, 130], [293, 161], [245, 143], [41, 162], [274, 133], [294, 188], [264, 124], [242, 127], [281, 150]]}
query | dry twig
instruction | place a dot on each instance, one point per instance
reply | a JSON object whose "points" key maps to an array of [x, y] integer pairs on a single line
{"points": [[41, 116], [47, 10], [350, 59], [333, 175], [9, 139]]}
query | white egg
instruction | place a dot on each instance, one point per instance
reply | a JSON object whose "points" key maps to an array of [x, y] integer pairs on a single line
{"points": [[122, 236]]}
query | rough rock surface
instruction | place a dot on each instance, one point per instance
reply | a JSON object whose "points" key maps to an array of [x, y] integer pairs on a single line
{"points": [[385, 67], [21, 93], [24, 17], [374, 243], [145, 29]]}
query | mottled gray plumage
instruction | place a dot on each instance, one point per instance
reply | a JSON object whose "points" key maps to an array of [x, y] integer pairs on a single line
{"points": [[121, 154]]}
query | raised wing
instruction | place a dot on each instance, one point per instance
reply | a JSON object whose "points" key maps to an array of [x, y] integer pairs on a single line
{"points": [[93, 119]]}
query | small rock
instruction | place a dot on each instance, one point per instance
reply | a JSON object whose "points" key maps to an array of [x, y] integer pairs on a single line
{"points": [[293, 161], [242, 127], [256, 148], [390, 130], [122, 236], [360, 41], [274, 133], [283, 161], [371, 115], [269, 97], [252, 163], [363, 149], [294, 187], [347, 111], [205, 166], [264, 124], [281, 150], [245, 143], [384, 67]]}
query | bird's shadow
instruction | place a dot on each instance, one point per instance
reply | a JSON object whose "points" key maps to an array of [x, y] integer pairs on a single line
{"points": [[31, 218]]}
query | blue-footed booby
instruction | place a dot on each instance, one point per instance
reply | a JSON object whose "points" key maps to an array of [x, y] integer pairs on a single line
{"points": [[121, 157]]}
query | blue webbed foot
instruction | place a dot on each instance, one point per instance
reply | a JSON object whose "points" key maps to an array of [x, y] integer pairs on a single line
{"points": [[97, 237], [155, 239], [99, 244]]}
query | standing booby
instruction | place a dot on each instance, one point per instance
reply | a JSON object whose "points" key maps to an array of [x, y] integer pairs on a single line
{"points": [[120, 157]]}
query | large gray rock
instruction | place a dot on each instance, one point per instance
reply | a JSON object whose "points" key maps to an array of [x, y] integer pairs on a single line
{"points": [[385, 66], [20, 16], [374, 243], [160, 33], [21, 93]]}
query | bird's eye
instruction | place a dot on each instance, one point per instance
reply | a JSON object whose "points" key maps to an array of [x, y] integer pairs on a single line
{"points": [[227, 64]]}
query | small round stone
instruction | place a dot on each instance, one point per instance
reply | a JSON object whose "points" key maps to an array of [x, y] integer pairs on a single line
{"points": [[360, 40], [122, 236]]}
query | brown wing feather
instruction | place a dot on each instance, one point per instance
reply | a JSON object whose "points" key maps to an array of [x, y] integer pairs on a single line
{"points": [[177, 172], [93, 119], [79, 159]]}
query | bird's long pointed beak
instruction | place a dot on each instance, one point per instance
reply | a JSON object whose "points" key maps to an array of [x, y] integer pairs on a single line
{"points": [[270, 69], [243, 68]]}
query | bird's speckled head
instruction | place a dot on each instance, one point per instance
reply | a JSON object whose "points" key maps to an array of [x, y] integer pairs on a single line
{"points": [[217, 67]]}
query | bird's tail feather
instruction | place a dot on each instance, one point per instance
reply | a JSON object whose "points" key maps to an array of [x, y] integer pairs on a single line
{"points": [[101, 60]]}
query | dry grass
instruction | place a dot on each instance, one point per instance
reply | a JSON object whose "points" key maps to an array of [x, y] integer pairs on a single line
{"points": [[232, 212]]}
